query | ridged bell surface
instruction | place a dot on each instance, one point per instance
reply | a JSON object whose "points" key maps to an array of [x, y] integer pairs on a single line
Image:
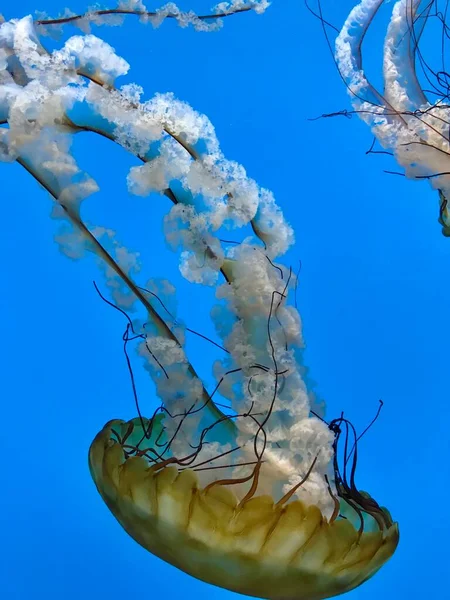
{"points": [[257, 548]]}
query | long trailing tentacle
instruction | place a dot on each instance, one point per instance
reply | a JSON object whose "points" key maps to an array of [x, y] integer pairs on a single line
{"points": [[55, 188], [136, 8], [402, 117]]}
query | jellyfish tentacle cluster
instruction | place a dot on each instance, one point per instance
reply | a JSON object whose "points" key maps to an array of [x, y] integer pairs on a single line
{"points": [[409, 116], [255, 493]]}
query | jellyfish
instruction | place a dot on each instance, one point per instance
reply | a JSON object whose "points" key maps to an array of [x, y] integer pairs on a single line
{"points": [[409, 116], [246, 486]]}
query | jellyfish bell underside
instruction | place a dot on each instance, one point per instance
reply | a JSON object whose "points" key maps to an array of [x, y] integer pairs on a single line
{"points": [[253, 545]]}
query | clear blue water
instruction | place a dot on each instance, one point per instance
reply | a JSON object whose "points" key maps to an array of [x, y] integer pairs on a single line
{"points": [[373, 296]]}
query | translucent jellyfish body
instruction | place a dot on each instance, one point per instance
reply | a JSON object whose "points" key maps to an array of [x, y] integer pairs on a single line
{"points": [[255, 493]]}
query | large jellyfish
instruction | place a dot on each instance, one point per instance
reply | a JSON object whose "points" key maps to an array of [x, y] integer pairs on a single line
{"points": [[246, 486], [409, 116]]}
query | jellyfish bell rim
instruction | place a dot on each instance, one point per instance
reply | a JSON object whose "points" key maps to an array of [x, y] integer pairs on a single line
{"points": [[256, 548]]}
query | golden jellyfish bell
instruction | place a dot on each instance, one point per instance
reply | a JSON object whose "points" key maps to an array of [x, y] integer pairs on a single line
{"points": [[279, 550]]}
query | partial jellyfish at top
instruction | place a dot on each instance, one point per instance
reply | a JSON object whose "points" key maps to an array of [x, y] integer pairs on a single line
{"points": [[409, 113]]}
